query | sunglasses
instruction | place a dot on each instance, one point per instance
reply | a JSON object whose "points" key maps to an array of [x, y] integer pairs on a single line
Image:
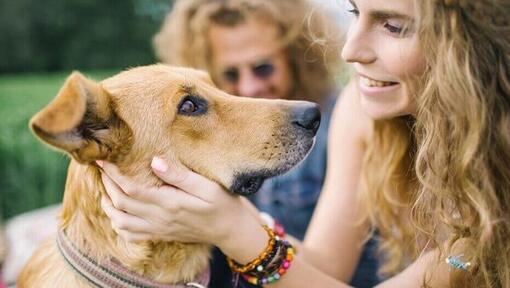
{"points": [[262, 70]]}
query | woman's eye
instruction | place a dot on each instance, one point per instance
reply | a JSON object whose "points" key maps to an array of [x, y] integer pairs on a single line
{"points": [[404, 29], [231, 75], [188, 107], [354, 11], [393, 28]]}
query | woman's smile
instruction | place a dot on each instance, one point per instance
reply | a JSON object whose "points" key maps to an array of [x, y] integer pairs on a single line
{"points": [[372, 88]]}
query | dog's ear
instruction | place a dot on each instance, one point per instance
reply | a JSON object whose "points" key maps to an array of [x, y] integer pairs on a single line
{"points": [[79, 120]]}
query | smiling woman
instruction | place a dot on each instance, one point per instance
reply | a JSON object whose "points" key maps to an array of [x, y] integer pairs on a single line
{"points": [[455, 88], [384, 48]]}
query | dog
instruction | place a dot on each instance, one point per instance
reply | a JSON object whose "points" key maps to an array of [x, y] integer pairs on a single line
{"points": [[173, 112]]}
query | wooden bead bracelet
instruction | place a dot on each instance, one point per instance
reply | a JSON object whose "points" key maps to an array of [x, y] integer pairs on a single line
{"points": [[238, 268]]}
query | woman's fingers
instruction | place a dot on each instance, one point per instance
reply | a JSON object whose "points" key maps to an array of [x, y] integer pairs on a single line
{"points": [[124, 184], [135, 237], [159, 205], [175, 201], [181, 212], [132, 228], [122, 221], [192, 183], [184, 179], [123, 202]]}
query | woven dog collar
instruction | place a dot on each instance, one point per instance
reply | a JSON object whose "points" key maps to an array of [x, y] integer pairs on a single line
{"points": [[111, 273]]}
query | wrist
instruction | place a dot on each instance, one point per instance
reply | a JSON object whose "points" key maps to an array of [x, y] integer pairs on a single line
{"points": [[245, 242], [270, 265]]}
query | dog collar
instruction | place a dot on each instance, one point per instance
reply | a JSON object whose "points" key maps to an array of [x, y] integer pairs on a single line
{"points": [[111, 273]]}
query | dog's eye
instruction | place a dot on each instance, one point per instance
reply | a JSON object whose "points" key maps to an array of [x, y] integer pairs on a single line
{"points": [[188, 107], [192, 106]]}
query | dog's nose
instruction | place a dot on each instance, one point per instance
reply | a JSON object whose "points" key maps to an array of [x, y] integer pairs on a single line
{"points": [[307, 116]]}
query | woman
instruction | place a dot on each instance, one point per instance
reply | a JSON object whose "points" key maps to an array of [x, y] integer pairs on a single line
{"points": [[419, 150]]}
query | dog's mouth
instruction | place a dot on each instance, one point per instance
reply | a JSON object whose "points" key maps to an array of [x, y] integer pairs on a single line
{"points": [[248, 183]]}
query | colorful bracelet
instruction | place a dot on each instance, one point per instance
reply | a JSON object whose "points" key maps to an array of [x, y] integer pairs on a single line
{"points": [[457, 263], [268, 264], [278, 229], [273, 276], [238, 268], [272, 263], [273, 224]]}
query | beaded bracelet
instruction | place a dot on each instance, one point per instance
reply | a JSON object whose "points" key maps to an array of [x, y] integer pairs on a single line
{"points": [[271, 264], [457, 263], [278, 229], [284, 265], [238, 268], [273, 224], [268, 264]]}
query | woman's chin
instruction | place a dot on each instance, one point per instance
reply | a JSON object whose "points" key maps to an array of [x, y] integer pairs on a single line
{"points": [[384, 111]]}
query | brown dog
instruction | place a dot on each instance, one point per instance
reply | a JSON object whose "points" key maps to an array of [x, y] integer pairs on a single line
{"points": [[178, 114]]}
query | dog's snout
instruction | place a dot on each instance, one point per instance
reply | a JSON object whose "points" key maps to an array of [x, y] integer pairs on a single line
{"points": [[307, 117]]}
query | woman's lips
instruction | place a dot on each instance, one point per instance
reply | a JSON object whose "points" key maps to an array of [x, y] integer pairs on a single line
{"points": [[369, 82], [371, 87]]}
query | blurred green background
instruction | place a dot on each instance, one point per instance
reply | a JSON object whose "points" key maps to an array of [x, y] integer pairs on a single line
{"points": [[41, 42]]}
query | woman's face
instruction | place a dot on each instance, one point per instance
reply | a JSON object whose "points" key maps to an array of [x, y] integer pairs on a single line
{"points": [[382, 44], [248, 60]]}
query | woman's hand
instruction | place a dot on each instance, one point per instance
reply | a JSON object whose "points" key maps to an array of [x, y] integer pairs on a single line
{"points": [[190, 209]]}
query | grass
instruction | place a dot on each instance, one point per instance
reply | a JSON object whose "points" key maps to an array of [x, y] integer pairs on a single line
{"points": [[31, 174]]}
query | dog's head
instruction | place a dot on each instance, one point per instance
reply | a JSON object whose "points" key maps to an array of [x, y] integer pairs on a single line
{"points": [[179, 115]]}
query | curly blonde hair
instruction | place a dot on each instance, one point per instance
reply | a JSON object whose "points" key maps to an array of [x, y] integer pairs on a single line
{"points": [[314, 61], [449, 167]]}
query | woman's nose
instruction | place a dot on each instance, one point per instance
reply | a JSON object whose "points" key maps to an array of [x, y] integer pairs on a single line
{"points": [[249, 85], [358, 46]]}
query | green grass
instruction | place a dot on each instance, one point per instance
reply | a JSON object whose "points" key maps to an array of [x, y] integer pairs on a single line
{"points": [[31, 174]]}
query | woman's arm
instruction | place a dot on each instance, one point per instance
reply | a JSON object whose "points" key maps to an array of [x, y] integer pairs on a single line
{"points": [[427, 267], [335, 232]]}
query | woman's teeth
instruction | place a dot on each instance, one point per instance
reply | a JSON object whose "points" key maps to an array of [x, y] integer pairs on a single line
{"points": [[374, 83]]}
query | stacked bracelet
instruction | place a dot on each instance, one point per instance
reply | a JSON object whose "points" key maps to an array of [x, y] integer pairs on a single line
{"points": [[273, 275], [238, 268], [272, 263]]}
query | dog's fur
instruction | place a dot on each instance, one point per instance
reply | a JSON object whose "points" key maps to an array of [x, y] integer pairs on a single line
{"points": [[128, 119]]}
